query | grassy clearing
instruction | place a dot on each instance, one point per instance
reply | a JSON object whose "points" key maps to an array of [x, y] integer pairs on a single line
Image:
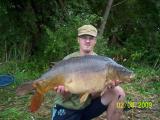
{"points": [[145, 87]]}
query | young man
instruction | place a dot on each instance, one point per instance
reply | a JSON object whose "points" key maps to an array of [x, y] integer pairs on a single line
{"points": [[67, 105]]}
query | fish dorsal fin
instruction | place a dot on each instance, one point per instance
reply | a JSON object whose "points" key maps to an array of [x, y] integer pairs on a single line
{"points": [[36, 101], [83, 97]]}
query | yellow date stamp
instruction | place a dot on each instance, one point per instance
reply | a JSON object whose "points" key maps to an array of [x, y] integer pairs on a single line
{"points": [[133, 104]]}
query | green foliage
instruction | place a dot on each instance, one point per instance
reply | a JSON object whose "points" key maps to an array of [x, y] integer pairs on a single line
{"points": [[57, 45], [136, 30], [14, 38], [63, 41], [14, 114], [23, 70], [46, 31]]}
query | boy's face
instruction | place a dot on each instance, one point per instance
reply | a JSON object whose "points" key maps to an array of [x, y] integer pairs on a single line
{"points": [[86, 42]]}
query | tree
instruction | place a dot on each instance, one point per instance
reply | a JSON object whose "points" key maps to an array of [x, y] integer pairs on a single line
{"points": [[105, 17]]}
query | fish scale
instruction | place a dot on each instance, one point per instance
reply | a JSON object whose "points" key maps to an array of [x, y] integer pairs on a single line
{"points": [[85, 63], [79, 75]]}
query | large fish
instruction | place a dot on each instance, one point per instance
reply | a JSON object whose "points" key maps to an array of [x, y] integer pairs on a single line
{"points": [[79, 75]]}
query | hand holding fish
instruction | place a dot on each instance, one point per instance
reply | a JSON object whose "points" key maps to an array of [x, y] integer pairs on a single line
{"points": [[112, 84], [61, 89]]}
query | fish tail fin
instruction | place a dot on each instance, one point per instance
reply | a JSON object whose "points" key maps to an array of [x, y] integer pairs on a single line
{"points": [[36, 101], [24, 88]]}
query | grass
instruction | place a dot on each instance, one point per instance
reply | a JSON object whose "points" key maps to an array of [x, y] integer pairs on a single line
{"points": [[145, 87]]}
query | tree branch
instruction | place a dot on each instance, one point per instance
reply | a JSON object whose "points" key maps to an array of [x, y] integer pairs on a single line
{"points": [[119, 3]]}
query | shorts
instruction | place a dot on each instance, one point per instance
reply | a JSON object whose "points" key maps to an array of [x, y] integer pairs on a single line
{"points": [[93, 110]]}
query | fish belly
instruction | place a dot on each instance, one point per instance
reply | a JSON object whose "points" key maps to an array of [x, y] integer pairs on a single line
{"points": [[85, 82]]}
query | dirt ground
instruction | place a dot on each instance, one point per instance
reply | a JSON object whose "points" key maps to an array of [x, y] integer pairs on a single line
{"points": [[132, 114]]}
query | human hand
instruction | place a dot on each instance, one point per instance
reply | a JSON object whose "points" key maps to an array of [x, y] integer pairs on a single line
{"points": [[111, 84], [61, 89]]}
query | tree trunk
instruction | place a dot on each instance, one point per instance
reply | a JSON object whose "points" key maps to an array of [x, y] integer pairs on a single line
{"points": [[105, 17], [37, 33]]}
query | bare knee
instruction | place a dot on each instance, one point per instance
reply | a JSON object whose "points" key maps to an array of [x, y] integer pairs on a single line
{"points": [[119, 93], [115, 94]]}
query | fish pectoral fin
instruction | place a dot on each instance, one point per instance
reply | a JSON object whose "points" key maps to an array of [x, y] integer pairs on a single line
{"points": [[36, 101], [83, 97]]}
